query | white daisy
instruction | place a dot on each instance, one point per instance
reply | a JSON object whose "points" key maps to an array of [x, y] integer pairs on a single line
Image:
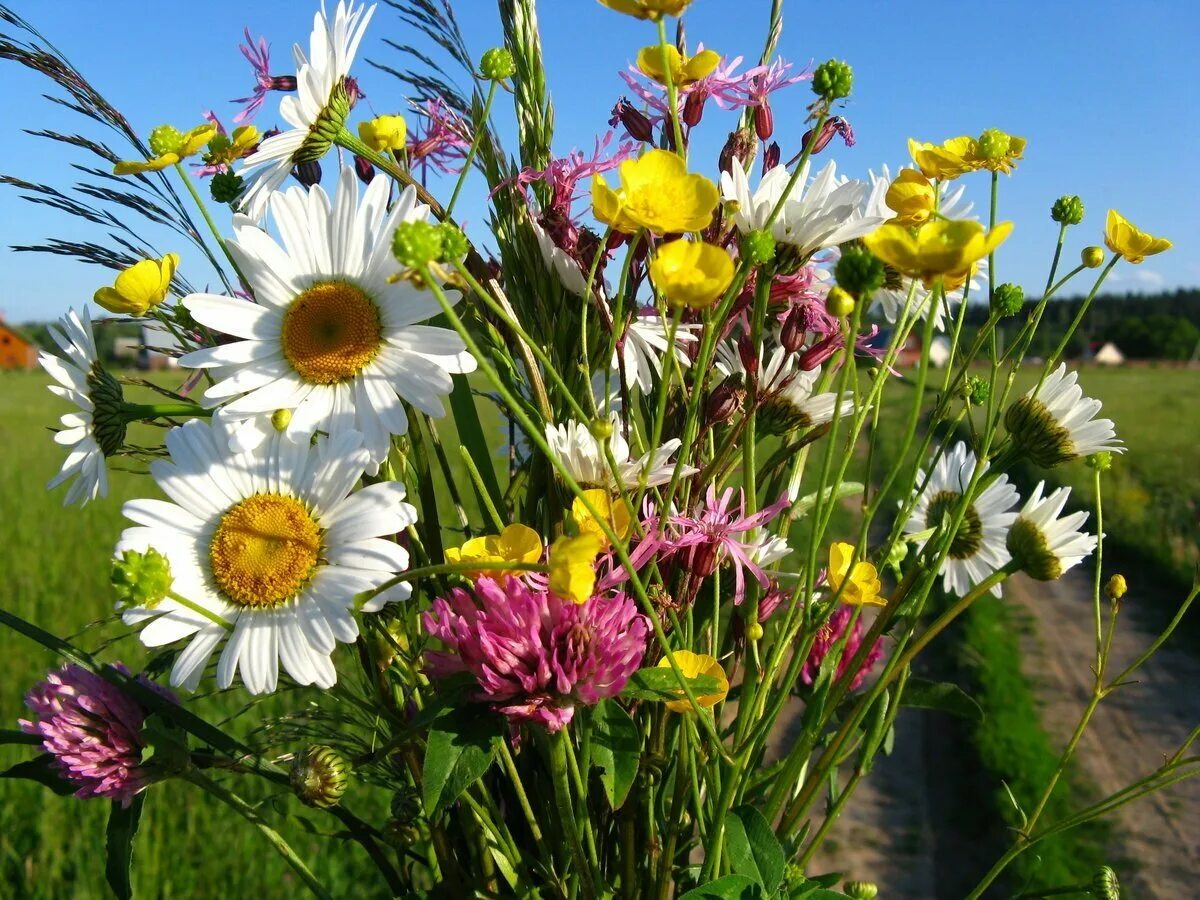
{"points": [[330, 337], [317, 109], [582, 454], [97, 430], [824, 212], [643, 348], [273, 546], [1054, 423], [1044, 545], [978, 549]]}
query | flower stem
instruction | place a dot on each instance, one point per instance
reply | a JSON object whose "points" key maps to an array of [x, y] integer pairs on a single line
{"points": [[566, 815], [200, 610], [132, 412], [480, 131], [672, 92], [212, 226]]}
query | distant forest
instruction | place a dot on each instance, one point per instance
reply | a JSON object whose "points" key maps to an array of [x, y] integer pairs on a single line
{"points": [[1143, 326]]}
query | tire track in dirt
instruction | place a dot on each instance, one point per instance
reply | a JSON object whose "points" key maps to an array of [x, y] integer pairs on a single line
{"points": [[1132, 732]]}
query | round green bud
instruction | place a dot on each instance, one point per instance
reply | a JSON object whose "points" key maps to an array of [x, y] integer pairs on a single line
{"points": [[977, 390], [320, 776], [754, 631], [1008, 299], [860, 272], [226, 187], [601, 429], [1092, 257], [417, 244], [497, 64], [141, 579], [1067, 210], [165, 139], [861, 890], [1101, 461], [993, 144], [1116, 587], [793, 875], [833, 80], [281, 419], [219, 143], [839, 302], [454, 242], [759, 247], [1105, 885]]}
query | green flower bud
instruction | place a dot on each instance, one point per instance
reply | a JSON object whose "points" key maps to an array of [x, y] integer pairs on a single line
{"points": [[833, 80], [109, 423], [1101, 461], [601, 429], [1067, 210], [417, 244], [861, 890], [1116, 587], [859, 271], [320, 776], [219, 144], [1008, 299], [976, 390], [497, 64], [993, 144], [754, 632], [759, 247], [281, 419], [141, 579], [165, 139], [1105, 885], [839, 302], [1092, 257], [226, 187], [454, 242]]}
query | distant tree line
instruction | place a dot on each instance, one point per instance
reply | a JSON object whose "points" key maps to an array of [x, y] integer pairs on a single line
{"points": [[1144, 326]]}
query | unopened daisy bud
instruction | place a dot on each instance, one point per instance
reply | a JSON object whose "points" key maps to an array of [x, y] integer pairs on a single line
{"points": [[754, 632], [759, 247], [839, 302], [454, 242], [497, 64], [977, 390], [1092, 257], [993, 144], [736, 150], [417, 244], [225, 187], [859, 272], [384, 133], [833, 80], [1116, 587], [165, 139], [1067, 210], [281, 419], [320, 776], [861, 890], [1105, 885], [141, 579], [728, 397], [601, 429], [1101, 461], [1008, 299]]}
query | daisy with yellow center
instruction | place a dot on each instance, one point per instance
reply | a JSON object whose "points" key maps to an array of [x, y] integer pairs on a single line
{"points": [[683, 70], [333, 337], [268, 549], [1130, 242], [656, 193]]}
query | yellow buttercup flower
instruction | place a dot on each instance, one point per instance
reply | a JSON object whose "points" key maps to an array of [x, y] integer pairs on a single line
{"points": [[996, 151], [572, 567], [384, 133], [912, 197], [657, 193], [937, 248], [1129, 241], [693, 665], [137, 167], [225, 151], [648, 9], [691, 273], [947, 160], [683, 70], [170, 147], [861, 581], [140, 287], [515, 544], [614, 511]]}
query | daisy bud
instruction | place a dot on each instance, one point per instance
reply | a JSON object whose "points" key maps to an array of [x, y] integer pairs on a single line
{"points": [[759, 247], [417, 244], [320, 776], [141, 579], [833, 80], [859, 272], [363, 169], [281, 419], [1092, 257], [861, 890], [635, 121], [1105, 885], [839, 302], [1008, 299], [1116, 587], [764, 120], [736, 150], [1067, 210], [308, 173], [497, 64], [225, 187]]}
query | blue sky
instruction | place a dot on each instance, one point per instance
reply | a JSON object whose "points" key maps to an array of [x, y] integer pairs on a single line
{"points": [[1104, 91]]}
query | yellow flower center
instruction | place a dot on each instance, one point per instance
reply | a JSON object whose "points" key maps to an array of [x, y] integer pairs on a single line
{"points": [[331, 332], [264, 550]]}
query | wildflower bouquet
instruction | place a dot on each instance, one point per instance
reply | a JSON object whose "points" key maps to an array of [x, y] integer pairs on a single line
{"points": [[540, 528]]}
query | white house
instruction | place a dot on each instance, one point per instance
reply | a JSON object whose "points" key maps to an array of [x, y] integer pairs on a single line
{"points": [[1109, 355]]}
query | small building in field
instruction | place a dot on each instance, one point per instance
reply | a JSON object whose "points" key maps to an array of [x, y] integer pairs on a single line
{"points": [[939, 351], [17, 352], [1108, 355], [159, 348]]}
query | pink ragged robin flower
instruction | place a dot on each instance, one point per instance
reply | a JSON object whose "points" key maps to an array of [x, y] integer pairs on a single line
{"points": [[259, 57], [443, 142], [828, 635]]}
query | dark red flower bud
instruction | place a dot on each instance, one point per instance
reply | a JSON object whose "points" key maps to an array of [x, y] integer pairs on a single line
{"points": [[308, 173], [693, 108], [363, 169], [353, 91], [635, 121], [791, 335], [764, 120], [819, 352], [749, 355], [728, 398], [771, 157], [283, 83], [832, 126]]}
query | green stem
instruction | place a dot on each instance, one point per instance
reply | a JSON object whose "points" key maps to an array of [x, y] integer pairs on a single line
{"points": [[133, 412], [480, 131], [672, 92], [200, 610], [566, 814], [212, 226]]}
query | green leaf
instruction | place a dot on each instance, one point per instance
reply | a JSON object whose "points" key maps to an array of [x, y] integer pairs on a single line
{"points": [[942, 696], [459, 750], [471, 437], [754, 851], [12, 736], [660, 683], [41, 770], [616, 749], [122, 827], [846, 489], [731, 887]]}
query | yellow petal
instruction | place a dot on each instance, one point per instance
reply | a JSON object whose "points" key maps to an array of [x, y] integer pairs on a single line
{"points": [[693, 665], [137, 167], [572, 568]]}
